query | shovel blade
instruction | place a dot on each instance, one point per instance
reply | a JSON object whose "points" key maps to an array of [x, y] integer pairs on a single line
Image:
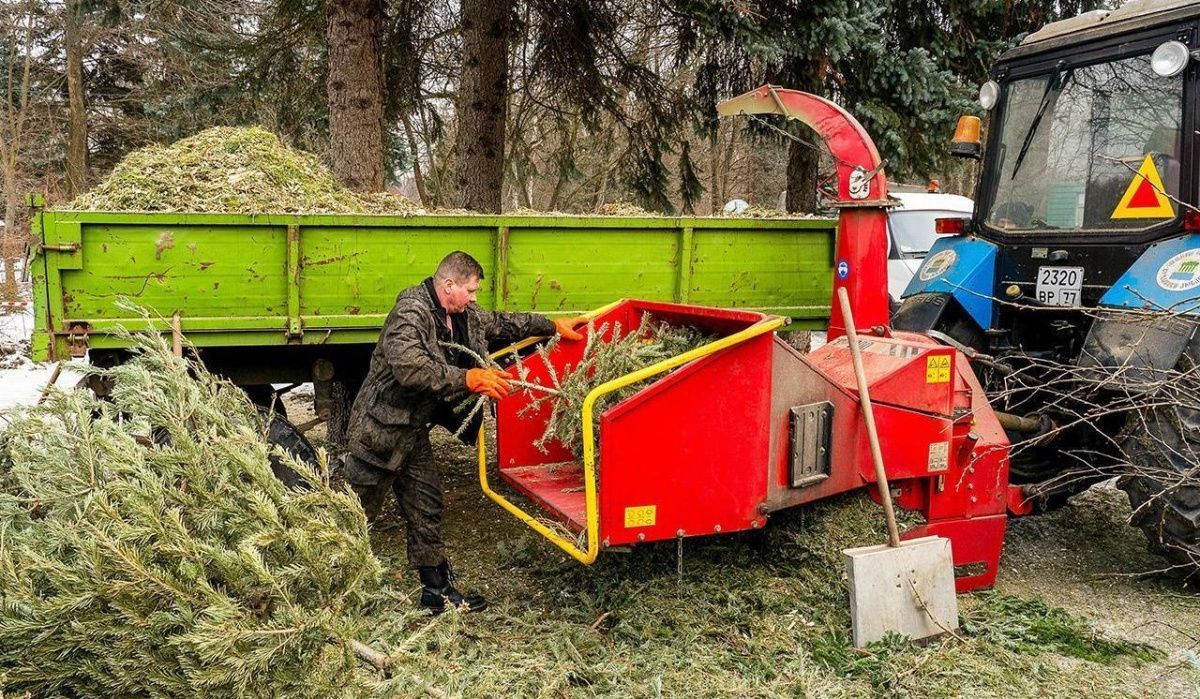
{"points": [[908, 590]]}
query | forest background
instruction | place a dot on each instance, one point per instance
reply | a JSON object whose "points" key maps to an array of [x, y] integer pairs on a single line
{"points": [[499, 105]]}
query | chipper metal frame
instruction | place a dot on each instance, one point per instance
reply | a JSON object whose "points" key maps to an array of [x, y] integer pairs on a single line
{"points": [[746, 425]]}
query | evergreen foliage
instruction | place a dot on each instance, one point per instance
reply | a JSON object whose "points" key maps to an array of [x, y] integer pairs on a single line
{"points": [[609, 355], [690, 187], [146, 548]]}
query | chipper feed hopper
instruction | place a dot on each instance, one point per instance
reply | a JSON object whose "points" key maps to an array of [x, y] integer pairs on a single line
{"points": [[717, 439]]}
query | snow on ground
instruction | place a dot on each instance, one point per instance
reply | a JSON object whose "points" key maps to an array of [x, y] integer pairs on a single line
{"points": [[22, 380]]}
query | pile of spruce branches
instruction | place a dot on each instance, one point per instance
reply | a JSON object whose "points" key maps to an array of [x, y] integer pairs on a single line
{"points": [[607, 356], [147, 549]]}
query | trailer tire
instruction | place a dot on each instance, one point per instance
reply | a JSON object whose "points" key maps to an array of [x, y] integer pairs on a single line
{"points": [[265, 397], [1164, 489], [282, 433]]}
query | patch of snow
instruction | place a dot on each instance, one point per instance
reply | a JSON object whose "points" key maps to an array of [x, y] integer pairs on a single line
{"points": [[24, 386], [304, 390], [16, 315], [16, 327], [21, 380]]}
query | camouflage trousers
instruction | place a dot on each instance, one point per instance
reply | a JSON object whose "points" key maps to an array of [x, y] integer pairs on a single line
{"points": [[417, 482]]}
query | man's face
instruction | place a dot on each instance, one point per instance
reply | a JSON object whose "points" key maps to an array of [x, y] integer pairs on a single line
{"points": [[459, 294]]}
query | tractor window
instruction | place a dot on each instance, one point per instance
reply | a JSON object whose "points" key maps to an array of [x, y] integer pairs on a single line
{"points": [[1089, 148]]}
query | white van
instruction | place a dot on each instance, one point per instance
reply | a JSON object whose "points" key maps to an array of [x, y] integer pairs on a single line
{"points": [[911, 232]]}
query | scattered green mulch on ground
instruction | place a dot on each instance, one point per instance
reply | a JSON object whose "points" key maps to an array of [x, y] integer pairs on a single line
{"points": [[760, 615], [1030, 625], [230, 170]]}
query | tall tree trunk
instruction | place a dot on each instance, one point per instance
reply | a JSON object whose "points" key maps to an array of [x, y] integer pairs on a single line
{"points": [[802, 165], [714, 178], [803, 160], [77, 130], [15, 111], [418, 177], [8, 237], [483, 104], [352, 32]]}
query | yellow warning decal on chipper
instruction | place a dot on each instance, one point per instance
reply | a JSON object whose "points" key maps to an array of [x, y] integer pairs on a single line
{"points": [[641, 516], [1145, 197], [937, 368]]}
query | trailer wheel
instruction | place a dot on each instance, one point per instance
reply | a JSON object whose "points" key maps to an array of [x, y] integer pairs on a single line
{"points": [[265, 397], [284, 434], [1164, 488], [281, 432]]}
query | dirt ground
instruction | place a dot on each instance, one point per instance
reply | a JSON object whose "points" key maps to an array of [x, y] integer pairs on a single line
{"points": [[1083, 558], [1086, 559]]}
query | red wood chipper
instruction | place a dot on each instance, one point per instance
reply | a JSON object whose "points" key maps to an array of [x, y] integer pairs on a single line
{"points": [[746, 426]]}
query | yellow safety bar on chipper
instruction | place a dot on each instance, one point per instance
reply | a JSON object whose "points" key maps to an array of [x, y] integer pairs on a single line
{"points": [[588, 556]]}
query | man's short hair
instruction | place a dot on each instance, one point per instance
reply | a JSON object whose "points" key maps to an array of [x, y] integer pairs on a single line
{"points": [[459, 266]]}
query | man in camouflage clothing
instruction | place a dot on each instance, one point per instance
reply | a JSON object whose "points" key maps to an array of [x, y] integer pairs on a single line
{"points": [[413, 383]]}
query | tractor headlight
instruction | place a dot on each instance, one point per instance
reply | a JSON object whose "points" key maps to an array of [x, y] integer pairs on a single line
{"points": [[1170, 58], [989, 93]]}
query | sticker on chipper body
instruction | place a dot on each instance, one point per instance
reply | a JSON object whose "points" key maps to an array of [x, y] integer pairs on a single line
{"points": [[939, 456], [938, 264], [937, 368], [641, 516], [1145, 197], [859, 185], [1181, 272]]}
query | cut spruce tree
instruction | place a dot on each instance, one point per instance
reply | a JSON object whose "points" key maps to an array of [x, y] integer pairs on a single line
{"points": [[147, 549]]}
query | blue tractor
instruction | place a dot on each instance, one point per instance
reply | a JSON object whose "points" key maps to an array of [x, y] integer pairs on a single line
{"points": [[1075, 285]]}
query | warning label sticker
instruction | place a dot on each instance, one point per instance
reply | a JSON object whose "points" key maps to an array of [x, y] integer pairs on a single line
{"points": [[939, 456], [1145, 198], [937, 368], [641, 516]]}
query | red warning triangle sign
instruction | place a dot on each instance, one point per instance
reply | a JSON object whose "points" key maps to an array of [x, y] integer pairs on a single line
{"points": [[1145, 198]]}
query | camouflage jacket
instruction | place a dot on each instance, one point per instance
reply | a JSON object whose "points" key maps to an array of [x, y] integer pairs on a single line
{"points": [[412, 377]]}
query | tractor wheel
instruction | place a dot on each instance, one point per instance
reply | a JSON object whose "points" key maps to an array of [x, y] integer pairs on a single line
{"points": [[280, 433], [1164, 487]]}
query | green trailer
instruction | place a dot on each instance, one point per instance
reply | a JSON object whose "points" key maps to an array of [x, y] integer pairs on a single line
{"points": [[271, 299]]}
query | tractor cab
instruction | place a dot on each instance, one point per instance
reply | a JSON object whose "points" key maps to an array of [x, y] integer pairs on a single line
{"points": [[1089, 161], [1076, 282]]}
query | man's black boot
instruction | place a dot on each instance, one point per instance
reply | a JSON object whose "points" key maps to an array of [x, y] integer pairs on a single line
{"points": [[438, 591]]}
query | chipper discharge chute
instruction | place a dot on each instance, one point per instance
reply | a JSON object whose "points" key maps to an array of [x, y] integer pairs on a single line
{"points": [[718, 438]]}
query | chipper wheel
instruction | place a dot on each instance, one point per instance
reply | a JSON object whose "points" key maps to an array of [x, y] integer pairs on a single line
{"points": [[1163, 445]]}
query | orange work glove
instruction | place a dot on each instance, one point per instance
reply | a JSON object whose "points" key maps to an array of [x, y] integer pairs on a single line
{"points": [[565, 327], [489, 382]]}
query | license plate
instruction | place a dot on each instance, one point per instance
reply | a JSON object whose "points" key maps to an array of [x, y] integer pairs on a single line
{"points": [[1059, 286]]}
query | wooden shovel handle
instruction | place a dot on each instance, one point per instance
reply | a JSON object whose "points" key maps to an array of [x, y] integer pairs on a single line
{"points": [[864, 399]]}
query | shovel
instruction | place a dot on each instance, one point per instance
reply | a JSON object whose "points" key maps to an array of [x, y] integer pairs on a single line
{"points": [[905, 587]]}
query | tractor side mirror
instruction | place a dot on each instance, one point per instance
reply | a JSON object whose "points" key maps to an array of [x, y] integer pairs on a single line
{"points": [[966, 142]]}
